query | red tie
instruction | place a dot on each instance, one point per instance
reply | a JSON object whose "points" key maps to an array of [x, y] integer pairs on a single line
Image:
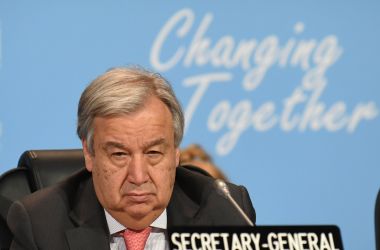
{"points": [[135, 240]]}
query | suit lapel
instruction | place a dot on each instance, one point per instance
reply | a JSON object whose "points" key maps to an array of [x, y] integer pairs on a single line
{"points": [[91, 231]]}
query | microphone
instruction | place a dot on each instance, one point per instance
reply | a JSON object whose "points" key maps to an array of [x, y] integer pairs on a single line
{"points": [[222, 189]]}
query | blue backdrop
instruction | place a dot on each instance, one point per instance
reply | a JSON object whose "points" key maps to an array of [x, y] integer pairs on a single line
{"points": [[283, 94]]}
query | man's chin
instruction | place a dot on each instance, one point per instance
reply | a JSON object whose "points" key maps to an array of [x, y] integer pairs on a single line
{"points": [[137, 216], [139, 211]]}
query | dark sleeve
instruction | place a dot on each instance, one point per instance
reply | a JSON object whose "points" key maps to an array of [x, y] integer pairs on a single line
{"points": [[6, 235], [21, 228]]}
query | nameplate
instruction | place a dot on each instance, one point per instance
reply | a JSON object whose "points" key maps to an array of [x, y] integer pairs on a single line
{"points": [[318, 237]]}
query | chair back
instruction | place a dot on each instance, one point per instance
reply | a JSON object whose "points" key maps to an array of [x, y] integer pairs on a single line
{"points": [[36, 169], [47, 167]]}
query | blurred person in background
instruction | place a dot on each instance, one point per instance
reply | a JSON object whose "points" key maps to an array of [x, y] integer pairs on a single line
{"points": [[195, 155]]}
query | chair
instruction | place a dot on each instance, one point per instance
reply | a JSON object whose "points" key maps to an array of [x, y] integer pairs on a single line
{"points": [[36, 169]]}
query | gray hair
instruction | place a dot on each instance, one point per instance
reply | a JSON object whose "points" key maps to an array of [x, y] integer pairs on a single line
{"points": [[124, 91]]}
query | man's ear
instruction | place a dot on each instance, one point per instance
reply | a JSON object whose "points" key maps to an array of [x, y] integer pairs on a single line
{"points": [[87, 156], [177, 154]]}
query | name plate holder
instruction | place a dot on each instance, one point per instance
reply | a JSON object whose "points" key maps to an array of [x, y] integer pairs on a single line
{"points": [[308, 237]]}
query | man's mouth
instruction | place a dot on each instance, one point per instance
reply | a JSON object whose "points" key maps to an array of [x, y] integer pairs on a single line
{"points": [[138, 197]]}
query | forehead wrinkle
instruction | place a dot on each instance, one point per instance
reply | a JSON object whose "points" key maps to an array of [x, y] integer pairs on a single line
{"points": [[113, 144]]}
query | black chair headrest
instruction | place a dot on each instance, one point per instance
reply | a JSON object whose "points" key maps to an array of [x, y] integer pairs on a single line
{"points": [[48, 167]]}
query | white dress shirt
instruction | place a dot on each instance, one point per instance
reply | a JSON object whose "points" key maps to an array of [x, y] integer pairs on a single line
{"points": [[157, 239]]}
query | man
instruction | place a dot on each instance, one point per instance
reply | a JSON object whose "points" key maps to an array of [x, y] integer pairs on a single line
{"points": [[130, 124]]}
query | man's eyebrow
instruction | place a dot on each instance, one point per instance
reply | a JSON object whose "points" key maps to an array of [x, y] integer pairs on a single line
{"points": [[155, 142]]}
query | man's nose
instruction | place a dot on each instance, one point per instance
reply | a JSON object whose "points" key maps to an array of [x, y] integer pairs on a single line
{"points": [[138, 170]]}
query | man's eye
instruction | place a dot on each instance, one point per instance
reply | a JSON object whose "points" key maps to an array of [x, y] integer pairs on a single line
{"points": [[154, 153], [118, 154]]}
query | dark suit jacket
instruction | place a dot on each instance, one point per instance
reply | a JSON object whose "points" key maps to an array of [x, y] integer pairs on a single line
{"points": [[69, 216]]}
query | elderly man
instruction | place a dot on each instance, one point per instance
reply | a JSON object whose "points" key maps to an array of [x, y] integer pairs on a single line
{"points": [[132, 190]]}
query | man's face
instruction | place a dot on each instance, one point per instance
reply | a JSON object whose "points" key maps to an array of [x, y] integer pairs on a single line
{"points": [[134, 162]]}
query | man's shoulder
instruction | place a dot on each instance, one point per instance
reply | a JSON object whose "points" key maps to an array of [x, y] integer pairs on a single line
{"points": [[192, 181], [195, 179], [196, 201], [58, 195], [45, 217]]}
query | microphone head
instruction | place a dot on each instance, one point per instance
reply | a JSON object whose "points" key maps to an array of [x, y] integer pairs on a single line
{"points": [[221, 188]]}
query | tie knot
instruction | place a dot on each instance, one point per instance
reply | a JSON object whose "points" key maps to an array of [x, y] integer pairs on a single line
{"points": [[135, 240]]}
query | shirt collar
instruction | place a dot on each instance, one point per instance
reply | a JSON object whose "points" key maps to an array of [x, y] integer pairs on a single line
{"points": [[114, 226]]}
